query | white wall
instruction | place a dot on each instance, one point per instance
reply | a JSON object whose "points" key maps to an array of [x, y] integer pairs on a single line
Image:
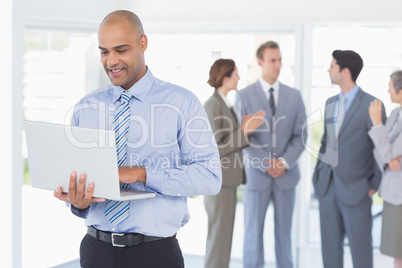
{"points": [[264, 10], [221, 11], [6, 197], [11, 29], [72, 10]]}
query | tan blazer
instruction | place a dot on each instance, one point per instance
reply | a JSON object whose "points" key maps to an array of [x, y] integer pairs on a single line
{"points": [[230, 139]]}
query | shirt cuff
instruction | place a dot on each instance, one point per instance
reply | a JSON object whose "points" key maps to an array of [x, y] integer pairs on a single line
{"points": [[82, 213], [284, 162], [377, 126], [154, 183]]}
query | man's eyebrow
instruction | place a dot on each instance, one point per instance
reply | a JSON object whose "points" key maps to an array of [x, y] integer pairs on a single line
{"points": [[115, 48]]}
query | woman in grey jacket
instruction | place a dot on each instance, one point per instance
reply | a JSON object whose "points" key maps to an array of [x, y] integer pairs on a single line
{"points": [[388, 151], [231, 137]]}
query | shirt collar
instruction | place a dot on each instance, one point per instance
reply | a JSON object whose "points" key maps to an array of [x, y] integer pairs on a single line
{"points": [[350, 95], [266, 86], [139, 90], [225, 99]]}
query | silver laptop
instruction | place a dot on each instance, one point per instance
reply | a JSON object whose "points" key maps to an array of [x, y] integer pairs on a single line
{"points": [[54, 151]]}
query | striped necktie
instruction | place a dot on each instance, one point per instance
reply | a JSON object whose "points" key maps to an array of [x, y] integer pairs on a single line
{"points": [[117, 211]]}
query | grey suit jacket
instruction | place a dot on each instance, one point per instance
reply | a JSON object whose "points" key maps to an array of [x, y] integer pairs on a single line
{"points": [[230, 139], [349, 157], [282, 137], [391, 184]]}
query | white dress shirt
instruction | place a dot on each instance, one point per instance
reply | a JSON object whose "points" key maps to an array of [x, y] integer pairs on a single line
{"points": [[267, 86], [225, 99], [275, 86]]}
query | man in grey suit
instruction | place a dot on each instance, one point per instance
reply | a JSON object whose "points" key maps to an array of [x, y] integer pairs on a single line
{"points": [[271, 160], [346, 175]]}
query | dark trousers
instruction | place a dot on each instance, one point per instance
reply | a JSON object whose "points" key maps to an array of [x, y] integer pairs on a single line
{"points": [[164, 253]]}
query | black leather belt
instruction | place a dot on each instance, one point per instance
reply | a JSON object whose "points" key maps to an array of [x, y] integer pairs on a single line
{"points": [[121, 239]]}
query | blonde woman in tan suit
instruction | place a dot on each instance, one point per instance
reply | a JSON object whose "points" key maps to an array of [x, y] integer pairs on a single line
{"points": [[388, 152], [231, 138]]}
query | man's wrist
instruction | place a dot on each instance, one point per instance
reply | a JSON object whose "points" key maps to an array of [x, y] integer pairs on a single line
{"points": [[82, 213], [141, 174]]}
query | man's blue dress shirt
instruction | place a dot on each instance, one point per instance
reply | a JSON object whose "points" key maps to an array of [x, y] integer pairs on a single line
{"points": [[171, 137], [349, 97]]}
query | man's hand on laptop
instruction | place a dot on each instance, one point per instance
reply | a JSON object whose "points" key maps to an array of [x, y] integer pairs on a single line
{"points": [[76, 195], [132, 174]]}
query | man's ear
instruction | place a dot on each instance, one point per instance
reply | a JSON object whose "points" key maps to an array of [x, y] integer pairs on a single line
{"points": [[259, 61], [346, 72], [143, 42]]}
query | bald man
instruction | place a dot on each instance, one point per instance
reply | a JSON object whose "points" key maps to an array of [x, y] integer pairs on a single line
{"points": [[160, 149]]}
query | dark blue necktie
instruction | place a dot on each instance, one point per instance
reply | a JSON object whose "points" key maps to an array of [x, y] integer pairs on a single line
{"points": [[272, 100]]}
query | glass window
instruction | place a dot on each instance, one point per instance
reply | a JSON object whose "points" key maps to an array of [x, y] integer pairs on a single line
{"points": [[185, 59], [59, 67]]}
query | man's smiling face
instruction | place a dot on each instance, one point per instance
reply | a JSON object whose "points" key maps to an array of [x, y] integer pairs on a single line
{"points": [[122, 52]]}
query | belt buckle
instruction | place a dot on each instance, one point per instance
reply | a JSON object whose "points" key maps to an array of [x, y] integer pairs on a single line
{"points": [[113, 243]]}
